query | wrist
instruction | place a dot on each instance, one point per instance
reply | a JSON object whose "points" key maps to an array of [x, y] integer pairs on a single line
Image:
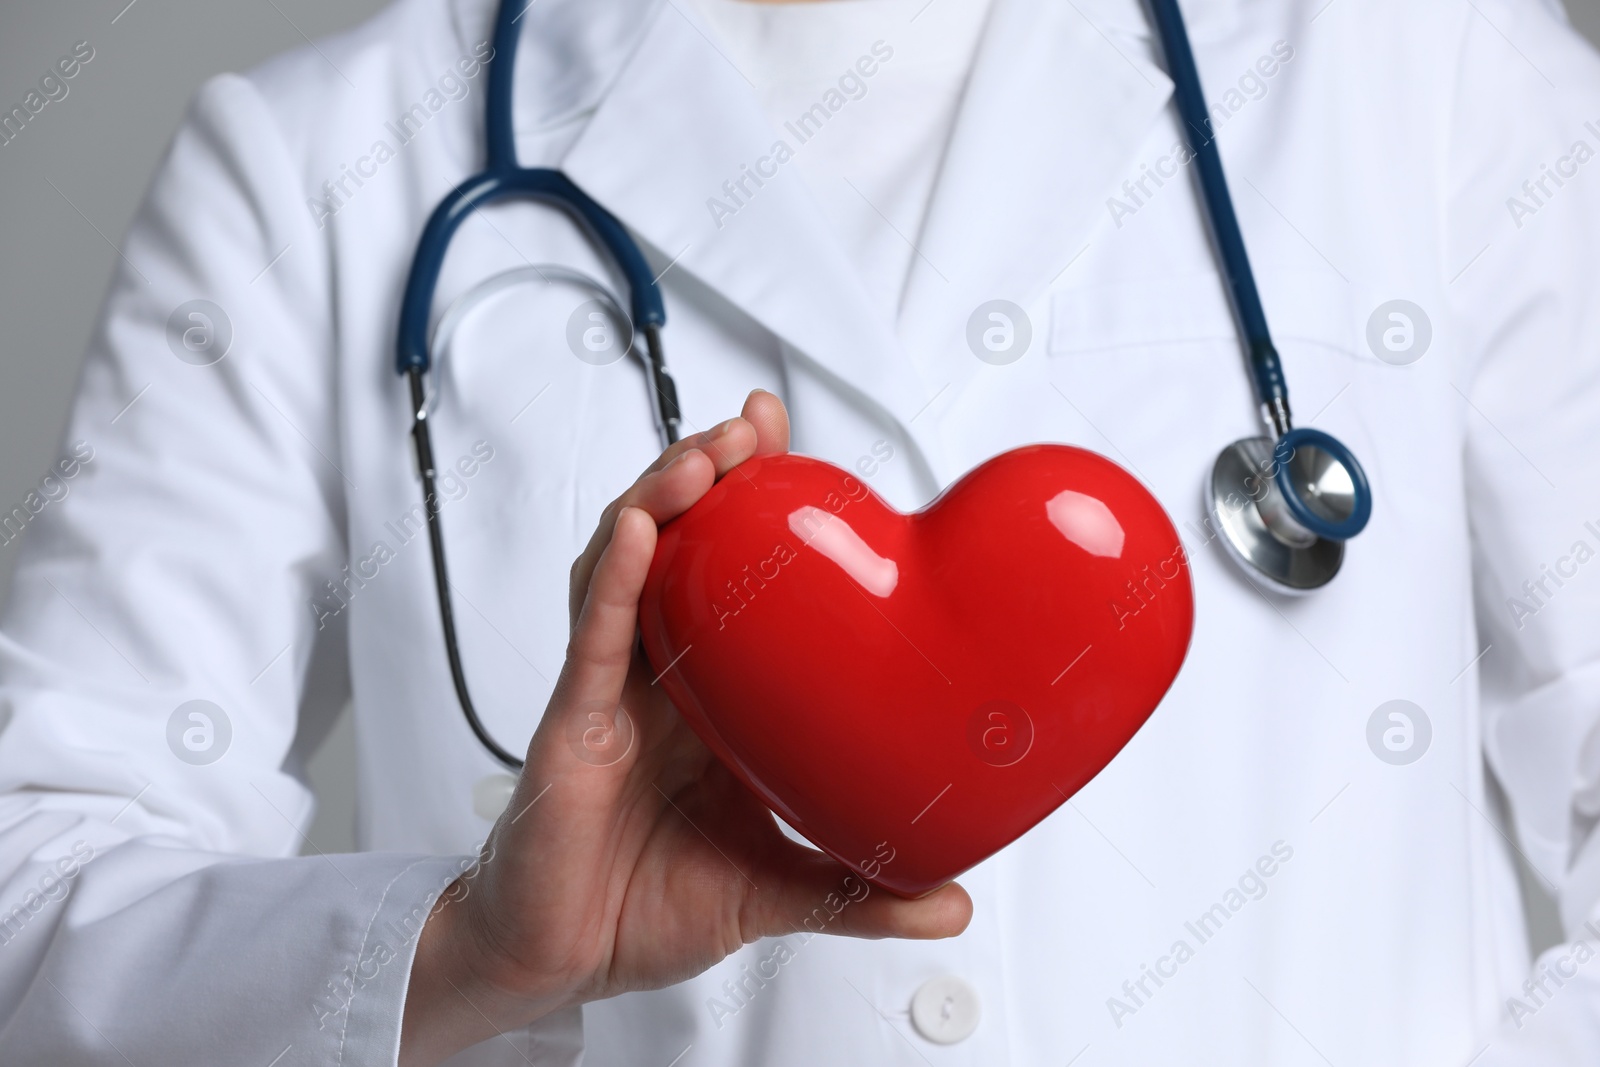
{"points": [[458, 993]]}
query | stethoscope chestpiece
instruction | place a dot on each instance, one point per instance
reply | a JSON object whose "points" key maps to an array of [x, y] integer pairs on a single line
{"points": [[1323, 484], [1284, 509]]}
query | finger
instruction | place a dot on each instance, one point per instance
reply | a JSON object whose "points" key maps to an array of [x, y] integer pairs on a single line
{"points": [[945, 912], [766, 413], [662, 495], [726, 444], [602, 642], [729, 443], [805, 890]]}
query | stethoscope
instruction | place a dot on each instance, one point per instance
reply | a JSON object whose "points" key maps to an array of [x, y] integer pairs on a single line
{"points": [[1282, 505]]}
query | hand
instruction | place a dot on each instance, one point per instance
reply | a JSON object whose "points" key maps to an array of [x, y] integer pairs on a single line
{"points": [[641, 872]]}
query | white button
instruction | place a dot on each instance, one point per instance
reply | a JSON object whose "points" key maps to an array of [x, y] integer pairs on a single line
{"points": [[945, 1010], [491, 795]]}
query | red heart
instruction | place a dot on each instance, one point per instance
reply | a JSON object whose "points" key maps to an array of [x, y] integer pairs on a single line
{"points": [[914, 692]]}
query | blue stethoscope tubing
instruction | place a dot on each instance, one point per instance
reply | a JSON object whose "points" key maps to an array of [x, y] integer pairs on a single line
{"points": [[1266, 370], [503, 178]]}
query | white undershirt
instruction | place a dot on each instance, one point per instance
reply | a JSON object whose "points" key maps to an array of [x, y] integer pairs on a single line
{"points": [[872, 163]]}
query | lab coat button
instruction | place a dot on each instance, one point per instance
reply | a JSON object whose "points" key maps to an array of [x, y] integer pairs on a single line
{"points": [[945, 1010], [491, 795]]}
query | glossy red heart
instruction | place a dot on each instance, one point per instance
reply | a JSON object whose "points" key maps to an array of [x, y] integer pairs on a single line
{"points": [[914, 692]]}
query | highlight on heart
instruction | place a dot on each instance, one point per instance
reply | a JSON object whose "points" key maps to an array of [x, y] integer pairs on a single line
{"points": [[806, 523]]}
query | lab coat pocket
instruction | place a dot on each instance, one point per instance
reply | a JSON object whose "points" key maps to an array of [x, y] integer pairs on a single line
{"points": [[1157, 366], [1178, 313], [1308, 313], [1179, 331]]}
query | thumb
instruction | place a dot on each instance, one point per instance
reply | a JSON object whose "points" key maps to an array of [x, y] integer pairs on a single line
{"points": [[767, 414], [804, 890], [602, 644]]}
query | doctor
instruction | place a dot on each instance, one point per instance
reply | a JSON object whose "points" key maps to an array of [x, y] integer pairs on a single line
{"points": [[1311, 853]]}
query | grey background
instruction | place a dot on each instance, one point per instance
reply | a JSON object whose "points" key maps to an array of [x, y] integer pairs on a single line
{"points": [[99, 147]]}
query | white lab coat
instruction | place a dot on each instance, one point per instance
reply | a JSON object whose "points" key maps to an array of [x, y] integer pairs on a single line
{"points": [[189, 557]]}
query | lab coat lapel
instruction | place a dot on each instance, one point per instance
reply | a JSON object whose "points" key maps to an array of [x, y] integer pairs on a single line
{"points": [[670, 150], [1052, 115]]}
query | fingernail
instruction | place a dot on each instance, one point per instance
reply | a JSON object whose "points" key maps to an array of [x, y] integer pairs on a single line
{"points": [[722, 427]]}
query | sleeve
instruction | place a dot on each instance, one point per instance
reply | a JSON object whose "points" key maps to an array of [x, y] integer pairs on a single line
{"points": [[160, 668], [1525, 201]]}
